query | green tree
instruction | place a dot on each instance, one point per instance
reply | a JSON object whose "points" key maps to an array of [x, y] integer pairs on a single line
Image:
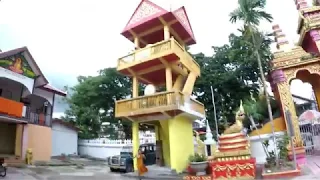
{"points": [[251, 12], [233, 73], [93, 94]]}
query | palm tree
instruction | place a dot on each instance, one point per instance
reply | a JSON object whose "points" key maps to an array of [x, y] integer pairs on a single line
{"points": [[251, 12]]}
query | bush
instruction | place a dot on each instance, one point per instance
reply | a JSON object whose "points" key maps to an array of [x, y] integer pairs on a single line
{"points": [[197, 158]]}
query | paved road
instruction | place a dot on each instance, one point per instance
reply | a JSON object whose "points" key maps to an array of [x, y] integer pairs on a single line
{"points": [[62, 173]]}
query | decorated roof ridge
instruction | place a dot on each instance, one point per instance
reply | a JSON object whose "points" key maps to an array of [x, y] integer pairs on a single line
{"points": [[301, 4], [136, 16], [24, 49], [21, 50], [186, 24], [280, 37]]}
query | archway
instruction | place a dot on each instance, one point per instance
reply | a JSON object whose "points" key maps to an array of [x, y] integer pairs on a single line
{"points": [[305, 91]]}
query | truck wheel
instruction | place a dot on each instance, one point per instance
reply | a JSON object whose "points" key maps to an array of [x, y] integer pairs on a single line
{"points": [[112, 169], [129, 168]]}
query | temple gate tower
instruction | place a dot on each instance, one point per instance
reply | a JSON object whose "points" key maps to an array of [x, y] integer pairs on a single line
{"points": [[299, 62], [161, 61]]}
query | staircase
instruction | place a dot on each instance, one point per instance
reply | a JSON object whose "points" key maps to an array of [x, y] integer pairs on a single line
{"points": [[13, 161]]}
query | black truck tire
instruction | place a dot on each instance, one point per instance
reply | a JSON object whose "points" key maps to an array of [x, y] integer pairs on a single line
{"points": [[112, 170], [129, 168]]}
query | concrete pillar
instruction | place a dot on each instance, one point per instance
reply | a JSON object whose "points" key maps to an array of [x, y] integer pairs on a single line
{"points": [[168, 78], [135, 142], [166, 32], [136, 42]]}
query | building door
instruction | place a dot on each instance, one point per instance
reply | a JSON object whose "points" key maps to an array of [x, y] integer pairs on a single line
{"points": [[7, 138]]}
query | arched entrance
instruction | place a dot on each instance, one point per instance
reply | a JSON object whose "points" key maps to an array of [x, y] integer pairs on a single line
{"points": [[306, 97]]}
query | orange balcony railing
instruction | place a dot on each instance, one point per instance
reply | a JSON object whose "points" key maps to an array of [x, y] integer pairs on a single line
{"points": [[10, 107]]}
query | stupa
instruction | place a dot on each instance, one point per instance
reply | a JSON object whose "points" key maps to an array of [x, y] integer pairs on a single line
{"points": [[232, 160]]}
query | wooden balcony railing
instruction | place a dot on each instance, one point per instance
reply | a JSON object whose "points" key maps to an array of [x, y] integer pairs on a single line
{"points": [[157, 50], [197, 106], [158, 102], [11, 107]]}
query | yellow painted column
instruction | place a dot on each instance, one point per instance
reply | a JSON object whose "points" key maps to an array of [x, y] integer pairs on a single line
{"points": [[166, 32], [18, 146], [135, 142], [135, 87], [136, 42], [168, 78], [156, 130], [181, 142], [178, 84], [188, 86]]}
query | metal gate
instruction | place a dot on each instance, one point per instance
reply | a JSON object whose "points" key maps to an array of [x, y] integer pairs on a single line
{"points": [[310, 134]]}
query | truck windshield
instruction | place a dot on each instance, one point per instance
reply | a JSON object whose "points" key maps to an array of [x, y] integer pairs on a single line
{"points": [[126, 150]]}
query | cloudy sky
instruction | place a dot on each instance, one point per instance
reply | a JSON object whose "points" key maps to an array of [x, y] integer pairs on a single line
{"points": [[72, 37]]}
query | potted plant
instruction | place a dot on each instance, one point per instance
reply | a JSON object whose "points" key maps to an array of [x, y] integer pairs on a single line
{"points": [[198, 163]]}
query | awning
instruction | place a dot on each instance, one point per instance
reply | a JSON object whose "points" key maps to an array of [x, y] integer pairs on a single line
{"points": [[8, 119]]}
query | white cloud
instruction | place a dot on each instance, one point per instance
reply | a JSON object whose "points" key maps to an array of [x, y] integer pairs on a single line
{"points": [[74, 37]]}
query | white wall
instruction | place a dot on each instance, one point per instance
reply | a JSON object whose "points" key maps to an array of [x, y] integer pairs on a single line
{"points": [[256, 147], [64, 140], [103, 148]]}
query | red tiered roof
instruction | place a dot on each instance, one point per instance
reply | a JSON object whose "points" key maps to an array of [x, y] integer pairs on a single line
{"points": [[147, 16]]}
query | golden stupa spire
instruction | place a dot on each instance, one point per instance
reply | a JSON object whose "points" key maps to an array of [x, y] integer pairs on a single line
{"points": [[280, 38]]}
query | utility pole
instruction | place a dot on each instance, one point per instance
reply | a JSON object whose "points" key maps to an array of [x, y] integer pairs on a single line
{"points": [[215, 112]]}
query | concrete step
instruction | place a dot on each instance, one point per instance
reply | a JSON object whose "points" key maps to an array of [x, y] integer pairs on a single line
{"points": [[14, 161]]}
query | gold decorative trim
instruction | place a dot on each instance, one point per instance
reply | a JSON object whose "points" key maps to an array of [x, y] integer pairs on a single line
{"points": [[232, 153], [227, 147], [225, 141], [230, 136]]}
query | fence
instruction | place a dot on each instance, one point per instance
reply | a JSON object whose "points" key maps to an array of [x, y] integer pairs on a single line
{"points": [[103, 148]]}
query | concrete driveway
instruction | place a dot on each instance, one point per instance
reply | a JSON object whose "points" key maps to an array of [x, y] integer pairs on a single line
{"points": [[59, 173]]}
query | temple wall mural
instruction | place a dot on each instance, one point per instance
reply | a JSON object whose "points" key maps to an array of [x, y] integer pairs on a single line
{"points": [[18, 64]]}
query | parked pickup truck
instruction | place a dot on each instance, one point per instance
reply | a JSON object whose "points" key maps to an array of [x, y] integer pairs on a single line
{"points": [[124, 161]]}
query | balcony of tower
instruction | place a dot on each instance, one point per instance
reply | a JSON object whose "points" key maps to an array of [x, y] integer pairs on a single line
{"points": [[159, 59], [159, 41], [159, 106]]}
